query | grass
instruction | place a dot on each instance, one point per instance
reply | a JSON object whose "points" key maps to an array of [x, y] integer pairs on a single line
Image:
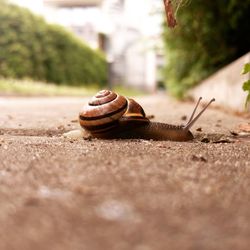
{"points": [[32, 88]]}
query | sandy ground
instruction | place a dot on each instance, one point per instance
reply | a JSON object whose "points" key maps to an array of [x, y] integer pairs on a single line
{"points": [[62, 194]]}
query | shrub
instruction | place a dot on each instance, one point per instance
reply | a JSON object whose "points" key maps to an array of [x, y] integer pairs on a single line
{"points": [[29, 47], [209, 35]]}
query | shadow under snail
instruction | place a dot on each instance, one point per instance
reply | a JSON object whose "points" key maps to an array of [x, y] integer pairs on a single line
{"points": [[111, 116]]}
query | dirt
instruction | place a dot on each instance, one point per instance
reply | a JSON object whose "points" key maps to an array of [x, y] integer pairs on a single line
{"points": [[59, 193]]}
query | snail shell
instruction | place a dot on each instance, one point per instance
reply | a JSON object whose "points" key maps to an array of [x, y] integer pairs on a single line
{"points": [[105, 109]]}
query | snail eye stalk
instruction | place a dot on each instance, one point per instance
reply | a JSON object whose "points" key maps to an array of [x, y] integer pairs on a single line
{"points": [[193, 120]]}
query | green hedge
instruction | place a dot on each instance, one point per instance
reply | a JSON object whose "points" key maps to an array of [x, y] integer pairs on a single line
{"points": [[209, 35], [29, 47]]}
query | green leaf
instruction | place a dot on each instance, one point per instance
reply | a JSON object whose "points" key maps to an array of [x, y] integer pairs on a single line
{"points": [[246, 86], [247, 101], [246, 69]]}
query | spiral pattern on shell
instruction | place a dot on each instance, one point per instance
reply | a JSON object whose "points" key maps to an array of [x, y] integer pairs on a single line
{"points": [[103, 112]]}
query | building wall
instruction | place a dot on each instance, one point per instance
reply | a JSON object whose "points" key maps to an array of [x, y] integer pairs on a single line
{"points": [[134, 33], [226, 86]]}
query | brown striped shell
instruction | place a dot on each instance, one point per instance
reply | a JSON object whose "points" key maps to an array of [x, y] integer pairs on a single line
{"points": [[134, 110], [103, 111]]}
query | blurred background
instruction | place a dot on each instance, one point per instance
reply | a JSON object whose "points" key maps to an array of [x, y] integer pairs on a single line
{"points": [[73, 47]]}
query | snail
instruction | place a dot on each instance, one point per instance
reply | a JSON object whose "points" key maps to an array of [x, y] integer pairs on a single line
{"points": [[111, 116]]}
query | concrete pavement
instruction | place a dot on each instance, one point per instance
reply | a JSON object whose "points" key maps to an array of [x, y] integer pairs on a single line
{"points": [[58, 193]]}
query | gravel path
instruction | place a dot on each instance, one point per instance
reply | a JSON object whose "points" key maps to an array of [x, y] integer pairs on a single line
{"points": [[64, 194]]}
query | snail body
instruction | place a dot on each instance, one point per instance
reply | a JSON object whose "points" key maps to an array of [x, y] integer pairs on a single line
{"points": [[111, 116]]}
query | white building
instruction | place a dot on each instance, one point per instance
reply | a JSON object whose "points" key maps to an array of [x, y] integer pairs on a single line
{"points": [[127, 30]]}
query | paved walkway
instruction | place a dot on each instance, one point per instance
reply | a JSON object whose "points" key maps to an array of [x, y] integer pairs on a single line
{"points": [[58, 193]]}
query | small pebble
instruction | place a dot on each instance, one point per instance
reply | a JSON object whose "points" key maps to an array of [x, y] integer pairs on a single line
{"points": [[184, 118], [198, 158], [205, 140], [89, 138], [234, 133]]}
